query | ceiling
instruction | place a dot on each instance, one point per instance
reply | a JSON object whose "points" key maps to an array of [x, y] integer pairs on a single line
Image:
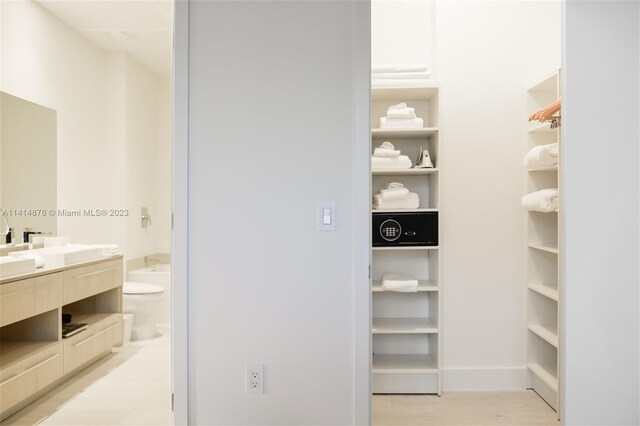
{"points": [[143, 28]]}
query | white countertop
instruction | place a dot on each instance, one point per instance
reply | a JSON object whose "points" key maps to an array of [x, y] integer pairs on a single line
{"points": [[50, 270]]}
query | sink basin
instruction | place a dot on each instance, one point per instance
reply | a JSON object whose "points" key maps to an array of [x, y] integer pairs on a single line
{"points": [[10, 266], [5, 249], [56, 257]]}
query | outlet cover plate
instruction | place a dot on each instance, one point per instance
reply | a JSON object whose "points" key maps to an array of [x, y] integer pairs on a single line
{"points": [[255, 378]]}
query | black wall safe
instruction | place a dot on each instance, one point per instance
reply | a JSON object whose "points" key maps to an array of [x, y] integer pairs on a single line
{"points": [[405, 229]]}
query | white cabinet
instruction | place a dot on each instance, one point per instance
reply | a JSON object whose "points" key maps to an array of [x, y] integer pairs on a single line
{"points": [[544, 341], [406, 326]]}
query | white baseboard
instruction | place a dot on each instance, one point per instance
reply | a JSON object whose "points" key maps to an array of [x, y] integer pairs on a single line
{"points": [[486, 379]]}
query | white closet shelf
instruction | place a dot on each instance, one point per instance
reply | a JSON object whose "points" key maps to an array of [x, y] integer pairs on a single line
{"points": [[404, 326], [423, 285], [543, 236], [547, 84], [544, 169], [413, 93], [545, 372], [403, 211], [547, 333], [404, 172], [544, 247], [541, 128], [405, 248], [403, 133], [398, 364], [545, 290]]}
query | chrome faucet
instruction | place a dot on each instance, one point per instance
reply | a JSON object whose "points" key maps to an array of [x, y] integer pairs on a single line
{"points": [[145, 217]]}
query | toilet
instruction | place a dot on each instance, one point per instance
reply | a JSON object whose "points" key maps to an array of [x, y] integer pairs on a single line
{"points": [[144, 301]]}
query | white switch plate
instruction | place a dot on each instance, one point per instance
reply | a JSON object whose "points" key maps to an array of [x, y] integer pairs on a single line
{"points": [[327, 216]]}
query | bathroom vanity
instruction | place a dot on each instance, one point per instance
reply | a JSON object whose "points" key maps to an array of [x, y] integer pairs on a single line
{"points": [[33, 355]]}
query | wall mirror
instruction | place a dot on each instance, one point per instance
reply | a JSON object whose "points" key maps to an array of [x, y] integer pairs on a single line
{"points": [[28, 165]]}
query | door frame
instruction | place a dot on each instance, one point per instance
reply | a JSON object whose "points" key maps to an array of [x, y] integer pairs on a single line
{"points": [[180, 216]]}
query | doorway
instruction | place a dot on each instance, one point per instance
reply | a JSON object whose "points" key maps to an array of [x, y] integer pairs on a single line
{"points": [[105, 69], [457, 309]]}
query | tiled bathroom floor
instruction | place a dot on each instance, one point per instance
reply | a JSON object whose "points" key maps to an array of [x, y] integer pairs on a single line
{"points": [[132, 386]]}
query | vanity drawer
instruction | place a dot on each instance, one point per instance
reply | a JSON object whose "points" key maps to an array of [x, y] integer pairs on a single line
{"points": [[26, 298], [86, 281], [26, 377], [97, 340]]}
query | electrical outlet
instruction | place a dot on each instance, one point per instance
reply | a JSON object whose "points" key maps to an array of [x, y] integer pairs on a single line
{"points": [[255, 379]]}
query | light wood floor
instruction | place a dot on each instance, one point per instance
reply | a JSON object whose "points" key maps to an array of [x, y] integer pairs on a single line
{"points": [[132, 386], [513, 408]]}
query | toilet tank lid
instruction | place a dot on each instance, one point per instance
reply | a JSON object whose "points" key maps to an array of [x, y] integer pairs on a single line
{"points": [[129, 287]]}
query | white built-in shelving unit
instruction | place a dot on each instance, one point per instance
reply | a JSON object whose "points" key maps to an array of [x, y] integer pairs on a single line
{"points": [[543, 257], [406, 327]]}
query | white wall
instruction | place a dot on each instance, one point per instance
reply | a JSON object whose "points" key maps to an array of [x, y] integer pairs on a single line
{"points": [[46, 62], [402, 32], [111, 129], [147, 118], [488, 52], [600, 211], [162, 180], [271, 134]]}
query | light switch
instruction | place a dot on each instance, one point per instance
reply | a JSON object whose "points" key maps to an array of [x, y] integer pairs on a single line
{"points": [[327, 216]]}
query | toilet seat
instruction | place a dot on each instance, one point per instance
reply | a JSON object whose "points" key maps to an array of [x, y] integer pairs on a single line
{"points": [[130, 287]]}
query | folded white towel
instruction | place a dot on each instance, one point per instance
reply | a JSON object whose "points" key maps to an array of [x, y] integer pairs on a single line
{"points": [[393, 68], [399, 82], [391, 163], [401, 113], [401, 105], [401, 123], [381, 152], [402, 75], [392, 185], [386, 150], [542, 156], [545, 201], [108, 249], [411, 201], [399, 282], [395, 192]]}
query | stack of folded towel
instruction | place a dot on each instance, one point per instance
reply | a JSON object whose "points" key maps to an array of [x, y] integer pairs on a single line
{"points": [[401, 75], [108, 249], [387, 157], [544, 201], [401, 116], [395, 196], [404, 283], [542, 156]]}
